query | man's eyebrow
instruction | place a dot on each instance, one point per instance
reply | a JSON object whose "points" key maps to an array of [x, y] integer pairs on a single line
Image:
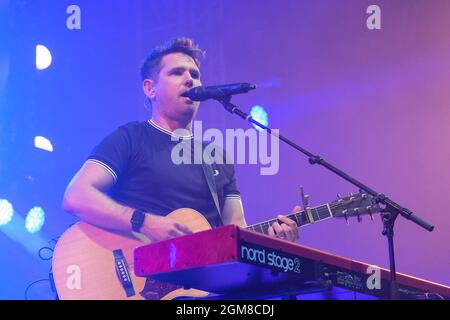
{"points": [[175, 69], [180, 68]]}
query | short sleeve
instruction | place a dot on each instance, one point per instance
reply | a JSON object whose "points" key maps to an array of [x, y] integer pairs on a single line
{"points": [[230, 189], [114, 151]]}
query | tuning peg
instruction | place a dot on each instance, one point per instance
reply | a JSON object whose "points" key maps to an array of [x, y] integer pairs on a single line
{"points": [[358, 217], [344, 212], [369, 209], [351, 196]]}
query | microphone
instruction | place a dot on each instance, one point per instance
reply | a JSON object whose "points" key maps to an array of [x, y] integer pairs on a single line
{"points": [[221, 92]]}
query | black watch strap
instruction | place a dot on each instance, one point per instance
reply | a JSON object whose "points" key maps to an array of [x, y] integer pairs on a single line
{"points": [[137, 220]]}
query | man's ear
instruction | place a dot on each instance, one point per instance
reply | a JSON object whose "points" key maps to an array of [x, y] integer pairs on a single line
{"points": [[148, 85]]}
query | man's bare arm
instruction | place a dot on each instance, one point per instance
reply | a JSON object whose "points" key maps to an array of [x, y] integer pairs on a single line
{"points": [[85, 197], [233, 212]]}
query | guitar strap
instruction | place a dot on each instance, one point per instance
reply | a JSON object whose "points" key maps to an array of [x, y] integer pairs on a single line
{"points": [[209, 175]]}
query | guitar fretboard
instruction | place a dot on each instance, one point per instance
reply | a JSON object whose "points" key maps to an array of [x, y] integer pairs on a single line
{"points": [[301, 218]]}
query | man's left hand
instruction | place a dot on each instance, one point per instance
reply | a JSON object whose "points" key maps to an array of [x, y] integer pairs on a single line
{"points": [[285, 228]]}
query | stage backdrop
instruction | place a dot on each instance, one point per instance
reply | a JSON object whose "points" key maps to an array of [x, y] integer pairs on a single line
{"points": [[368, 91]]}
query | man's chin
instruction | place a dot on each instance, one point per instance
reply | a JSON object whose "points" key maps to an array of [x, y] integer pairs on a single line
{"points": [[194, 111], [189, 110], [192, 106]]}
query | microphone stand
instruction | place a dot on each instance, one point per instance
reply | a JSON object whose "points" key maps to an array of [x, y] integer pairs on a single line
{"points": [[390, 209]]}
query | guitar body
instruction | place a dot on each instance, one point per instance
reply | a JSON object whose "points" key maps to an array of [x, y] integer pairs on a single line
{"points": [[84, 266]]}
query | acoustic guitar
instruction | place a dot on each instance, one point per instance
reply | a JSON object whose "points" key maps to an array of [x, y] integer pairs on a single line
{"points": [[94, 263]]}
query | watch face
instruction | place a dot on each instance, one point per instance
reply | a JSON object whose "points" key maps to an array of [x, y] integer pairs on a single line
{"points": [[137, 220]]}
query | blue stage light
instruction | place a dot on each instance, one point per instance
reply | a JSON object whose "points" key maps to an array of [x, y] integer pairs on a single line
{"points": [[6, 212], [35, 220], [259, 114]]}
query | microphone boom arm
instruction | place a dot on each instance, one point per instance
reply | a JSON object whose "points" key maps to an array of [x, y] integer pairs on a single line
{"points": [[390, 211]]}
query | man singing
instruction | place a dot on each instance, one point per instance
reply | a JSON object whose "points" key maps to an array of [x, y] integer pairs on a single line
{"points": [[129, 182]]}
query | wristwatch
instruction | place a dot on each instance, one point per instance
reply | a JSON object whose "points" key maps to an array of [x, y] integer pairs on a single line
{"points": [[137, 220]]}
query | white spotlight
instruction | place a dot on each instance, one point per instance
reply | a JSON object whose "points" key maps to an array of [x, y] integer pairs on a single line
{"points": [[43, 143], [43, 57], [6, 212], [35, 219]]}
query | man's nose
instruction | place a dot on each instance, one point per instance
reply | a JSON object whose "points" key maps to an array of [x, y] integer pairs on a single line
{"points": [[189, 82]]}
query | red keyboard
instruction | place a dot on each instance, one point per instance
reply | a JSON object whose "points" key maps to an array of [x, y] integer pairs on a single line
{"points": [[231, 260]]}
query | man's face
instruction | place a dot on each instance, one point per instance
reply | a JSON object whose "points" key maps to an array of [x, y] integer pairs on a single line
{"points": [[178, 74]]}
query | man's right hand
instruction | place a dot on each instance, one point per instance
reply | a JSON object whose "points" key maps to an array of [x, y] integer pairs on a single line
{"points": [[159, 228]]}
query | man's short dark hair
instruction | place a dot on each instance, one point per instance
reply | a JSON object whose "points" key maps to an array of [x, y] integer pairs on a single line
{"points": [[152, 64]]}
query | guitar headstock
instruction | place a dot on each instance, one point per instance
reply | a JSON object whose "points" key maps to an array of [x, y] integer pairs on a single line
{"points": [[355, 205]]}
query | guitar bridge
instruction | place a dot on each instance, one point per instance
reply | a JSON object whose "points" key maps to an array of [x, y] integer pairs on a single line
{"points": [[123, 273]]}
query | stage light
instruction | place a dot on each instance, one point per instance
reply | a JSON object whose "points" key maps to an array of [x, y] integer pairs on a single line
{"points": [[259, 114], [43, 57], [43, 143], [6, 212], [35, 220]]}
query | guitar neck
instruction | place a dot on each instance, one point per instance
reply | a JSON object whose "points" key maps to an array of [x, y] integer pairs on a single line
{"points": [[301, 218]]}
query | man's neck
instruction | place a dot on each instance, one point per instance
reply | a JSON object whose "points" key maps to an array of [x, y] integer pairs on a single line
{"points": [[170, 124]]}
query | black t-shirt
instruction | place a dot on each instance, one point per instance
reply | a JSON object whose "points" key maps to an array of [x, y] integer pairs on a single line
{"points": [[138, 156]]}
